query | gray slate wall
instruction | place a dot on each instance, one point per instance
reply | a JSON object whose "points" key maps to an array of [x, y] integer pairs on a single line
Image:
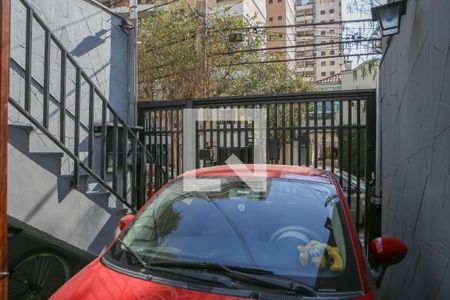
{"points": [[93, 37], [415, 108]]}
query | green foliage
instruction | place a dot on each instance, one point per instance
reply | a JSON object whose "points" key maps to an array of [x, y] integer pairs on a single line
{"points": [[351, 166], [178, 58], [363, 7]]}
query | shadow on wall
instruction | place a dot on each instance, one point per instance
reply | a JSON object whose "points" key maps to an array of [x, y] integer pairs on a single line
{"points": [[89, 43]]}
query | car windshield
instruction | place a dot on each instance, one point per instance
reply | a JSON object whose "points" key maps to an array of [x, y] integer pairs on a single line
{"points": [[293, 228]]}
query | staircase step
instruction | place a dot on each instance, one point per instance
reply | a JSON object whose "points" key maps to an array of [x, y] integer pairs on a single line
{"points": [[98, 194], [70, 176], [48, 154], [27, 128]]}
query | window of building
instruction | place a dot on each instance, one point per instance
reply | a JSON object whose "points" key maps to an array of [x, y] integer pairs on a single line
{"points": [[332, 31], [332, 73], [332, 63], [270, 1], [323, 74], [322, 32], [270, 19], [280, 1], [323, 53], [332, 52], [332, 20], [331, 11], [323, 21], [323, 64], [322, 12], [280, 18]]}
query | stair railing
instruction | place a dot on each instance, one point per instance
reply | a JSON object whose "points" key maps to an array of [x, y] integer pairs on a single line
{"points": [[144, 172]]}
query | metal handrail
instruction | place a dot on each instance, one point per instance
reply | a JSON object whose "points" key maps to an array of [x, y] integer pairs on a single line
{"points": [[141, 157]]}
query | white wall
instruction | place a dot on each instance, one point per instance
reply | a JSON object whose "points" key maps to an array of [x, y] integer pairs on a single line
{"points": [[415, 120]]}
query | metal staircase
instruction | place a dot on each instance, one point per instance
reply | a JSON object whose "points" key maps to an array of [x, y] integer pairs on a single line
{"points": [[107, 155]]}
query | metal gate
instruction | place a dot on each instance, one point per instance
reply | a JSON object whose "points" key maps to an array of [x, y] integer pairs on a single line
{"points": [[327, 130]]}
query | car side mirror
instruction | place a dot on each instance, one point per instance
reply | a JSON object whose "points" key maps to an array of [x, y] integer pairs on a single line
{"points": [[125, 220], [386, 251]]}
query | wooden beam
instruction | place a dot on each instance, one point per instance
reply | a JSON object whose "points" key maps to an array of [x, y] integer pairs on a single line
{"points": [[4, 93]]}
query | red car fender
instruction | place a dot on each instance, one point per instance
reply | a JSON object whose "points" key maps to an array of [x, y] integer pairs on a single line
{"points": [[360, 262]]}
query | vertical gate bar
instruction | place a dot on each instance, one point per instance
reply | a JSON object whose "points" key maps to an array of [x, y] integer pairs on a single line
{"points": [[91, 127], [218, 158], [204, 133], [154, 147], [225, 129], [125, 163], [160, 158], [267, 133], [349, 164], [332, 136], [134, 195], [316, 152], [197, 146], [180, 137], [166, 138], [373, 210], [172, 143], [232, 131], [103, 141], [324, 136], [239, 129], [211, 136], [28, 58], [76, 181], [176, 141], [291, 134], [283, 108], [142, 178], [341, 140], [358, 166], [46, 97], [299, 149], [115, 152], [276, 132], [308, 143], [246, 128], [62, 100]]}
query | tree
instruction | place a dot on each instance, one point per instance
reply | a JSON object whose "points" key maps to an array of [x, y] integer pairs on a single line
{"points": [[174, 64], [363, 7]]}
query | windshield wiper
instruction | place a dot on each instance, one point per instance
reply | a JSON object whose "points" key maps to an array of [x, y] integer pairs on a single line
{"points": [[134, 253], [253, 275], [196, 276]]}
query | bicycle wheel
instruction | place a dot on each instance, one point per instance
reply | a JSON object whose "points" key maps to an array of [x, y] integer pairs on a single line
{"points": [[38, 275]]}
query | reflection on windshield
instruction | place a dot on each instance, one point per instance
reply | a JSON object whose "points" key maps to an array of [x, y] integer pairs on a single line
{"points": [[293, 229]]}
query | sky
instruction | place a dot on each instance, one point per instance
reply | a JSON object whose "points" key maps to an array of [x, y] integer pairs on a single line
{"points": [[355, 27]]}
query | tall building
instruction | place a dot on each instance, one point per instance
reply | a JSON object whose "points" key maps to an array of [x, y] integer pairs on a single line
{"points": [[247, 8], [122, 3], [282, 12], [311, 34]]}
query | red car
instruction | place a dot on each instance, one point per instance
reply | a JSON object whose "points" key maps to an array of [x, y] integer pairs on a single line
{"points": [[282, 233]]}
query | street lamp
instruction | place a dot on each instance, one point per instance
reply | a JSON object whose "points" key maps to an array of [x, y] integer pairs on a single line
{"points": [[389, 17]]}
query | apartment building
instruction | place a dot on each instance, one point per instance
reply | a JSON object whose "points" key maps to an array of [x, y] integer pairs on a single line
{"points": [[122, 3], [282, 13], [247, 8], [314, 34]]}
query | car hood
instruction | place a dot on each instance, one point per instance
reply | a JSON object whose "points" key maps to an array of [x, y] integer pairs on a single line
{"points": [[98, 282]]}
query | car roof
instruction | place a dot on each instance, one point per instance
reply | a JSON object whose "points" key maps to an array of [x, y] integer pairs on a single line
{"points": [[259, 170]]}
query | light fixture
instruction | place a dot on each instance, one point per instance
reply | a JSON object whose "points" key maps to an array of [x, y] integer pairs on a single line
{"points": [[389, 17]]}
